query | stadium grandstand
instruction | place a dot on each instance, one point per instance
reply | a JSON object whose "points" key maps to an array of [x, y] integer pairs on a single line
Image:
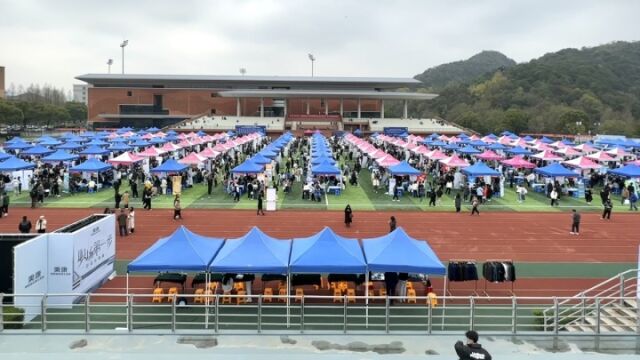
{"points": [[271, 103]]}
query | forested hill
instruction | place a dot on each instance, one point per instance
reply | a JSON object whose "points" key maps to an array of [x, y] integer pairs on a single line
{"points": [[591, 90], [464, 71]]}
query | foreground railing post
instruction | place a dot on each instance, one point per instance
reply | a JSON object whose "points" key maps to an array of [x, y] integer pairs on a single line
{"points": [[259, 314], [583, 313], [215, 316], [87, 314], [43, 312], [638, 318], [344, 313], [173, 314], [130, 313], [514, 315], [386, 315], [302, 315], [430, 316], [556, 315], [597, 315], [621, 289], [1, 312], [472, 311]]}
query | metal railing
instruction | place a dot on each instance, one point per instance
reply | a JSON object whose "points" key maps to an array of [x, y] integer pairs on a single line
{"points": [[119, 313], [587, 303]]}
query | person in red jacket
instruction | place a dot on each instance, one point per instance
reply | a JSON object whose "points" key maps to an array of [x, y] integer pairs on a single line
{"points": [[471, 350]]}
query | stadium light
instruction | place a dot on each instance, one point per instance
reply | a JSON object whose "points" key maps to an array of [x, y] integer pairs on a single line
{"points": [[109, 63], [124, 43], [313, 59]]}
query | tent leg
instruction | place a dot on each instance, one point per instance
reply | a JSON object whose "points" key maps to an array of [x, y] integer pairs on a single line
{"points": [[366, 292], [127, 283], [206, 301], [444, 299], [288, 299]]}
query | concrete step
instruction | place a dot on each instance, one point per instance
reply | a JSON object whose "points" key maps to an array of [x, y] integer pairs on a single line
{"points": [[631, 303], [620, 315]]}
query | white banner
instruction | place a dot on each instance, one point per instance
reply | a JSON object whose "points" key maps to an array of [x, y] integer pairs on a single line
{"points": [[30, 275], [60, 265], [94, 254]]}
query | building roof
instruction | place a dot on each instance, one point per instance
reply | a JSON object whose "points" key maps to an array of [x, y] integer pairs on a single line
{"points": [[362, 94], [122, 80]]}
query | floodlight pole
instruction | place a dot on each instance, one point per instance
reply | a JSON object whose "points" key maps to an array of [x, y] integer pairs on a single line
{"points": [[313, 59], [124, 43]]}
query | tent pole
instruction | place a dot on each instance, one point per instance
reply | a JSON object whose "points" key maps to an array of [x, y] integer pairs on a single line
{"points": [[206, 301], [366, 296], [127, 283], [288, 298]]}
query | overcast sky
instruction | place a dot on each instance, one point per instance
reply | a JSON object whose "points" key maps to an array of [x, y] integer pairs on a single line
{"points": [[54, 41]]}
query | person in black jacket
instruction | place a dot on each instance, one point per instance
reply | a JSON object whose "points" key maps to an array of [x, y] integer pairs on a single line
{"points": [[471, 350], [24, 226]]}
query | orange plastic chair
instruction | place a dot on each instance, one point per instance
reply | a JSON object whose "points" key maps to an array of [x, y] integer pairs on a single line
{"points": [[382, 292], [299, 294], [226, 299], [372, 292], [337, 295], [241, 297], [239, 286], [213, 286], [351, 295], [409, 285], [411, 296], [199, 299], [208, 297], [158, 295], [282, 292], [433, 298], [268, 294], [172, 291]]}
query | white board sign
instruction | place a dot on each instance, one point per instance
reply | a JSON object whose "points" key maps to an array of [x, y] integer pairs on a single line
{"points": [[30, 275]]}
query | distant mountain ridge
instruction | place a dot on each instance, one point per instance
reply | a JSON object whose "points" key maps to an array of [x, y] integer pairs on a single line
{"points": [[463, 71]]}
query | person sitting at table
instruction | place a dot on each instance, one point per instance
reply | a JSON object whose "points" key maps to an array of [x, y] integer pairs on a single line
{"points": [[91, 186], [306, 191], [317, 193]]}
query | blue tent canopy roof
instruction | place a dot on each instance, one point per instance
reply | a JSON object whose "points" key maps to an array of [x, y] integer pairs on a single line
{"points": [[91, 165], [14, 164], [327, 252], [630, 171], [94, 150], [403, 168], [325, 168], [37, 150], [170, 166], [555, 170], [182, 250], [60, 155], [518, 150], [97, 142], [248, 167], [255, 252], [496, 146], [4, 156], [480, 169], [468, 150], [119, 147], [398, 252], [18, 145], [70, 145], [260, 159]]}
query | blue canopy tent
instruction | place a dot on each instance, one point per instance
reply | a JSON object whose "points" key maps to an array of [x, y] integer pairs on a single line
{"points": [[518, 150], [183, 250], [170, 166], [37, 150], [15, 164], [568, 142], [479, 169], [201, 133], [325, 168], [452, 146], [18, 145], [4, 156], [171, 132], [254, 252], [546, 140], [469, 150], [320, 160], [118, 140], [74, 138], [398, 252], [260, 159], [69, 146], [555, 170], [630, 171], [268, 153], [436, 142], [140, 143], [357, 132], [403, 168], [248, 167], [53, 142], [327, 252], [153, 129], [92, 165], [157, 140], [97, 142], [119, 147], [59, 156], [15, 140], [94, 150], [528, 138], [88, 134], [496, 146], [478, 143]]}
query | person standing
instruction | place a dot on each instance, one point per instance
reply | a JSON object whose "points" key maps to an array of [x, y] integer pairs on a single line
{"points": [[260, 210], [475, 203], [457, 202], [390, 282], [34, 196], [118, 199], [402, 285], [134, 188], [432, 197], [554, 197], [25, 225], [575, 226], [348, 215], [125, 200], [177, 209], [471, 350], [132, 220], [5, 204], [608, 206], [146, 198], [209, 183], [392, 224], [122, 223], [15, 183], [633, 200], [41, 225], [395, 193]]}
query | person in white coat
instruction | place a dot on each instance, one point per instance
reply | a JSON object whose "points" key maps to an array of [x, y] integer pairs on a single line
{"points": [[132, 220]]}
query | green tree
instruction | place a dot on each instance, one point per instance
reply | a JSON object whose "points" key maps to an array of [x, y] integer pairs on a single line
{"points": [[515, 120], [77, 111], [10, 114]]}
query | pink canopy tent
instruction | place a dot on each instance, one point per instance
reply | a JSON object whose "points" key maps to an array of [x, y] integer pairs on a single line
{"points": [[410, 146], [568, 151], [377, 154], [182, 136], [160, 134], [435, 155], [387, 161], [583, 163], [474, 137], [148, 136], [454, 161], [151, 152], [192, 159], [518, 162], [420, 150], [558, 144], [601, 156], [541, 147], [220, 148], [488, 139], [125, 158], [519, 142], [170, 147], [547, 155], [505, 140], [489, 156], [585, 148], [185, 143], [619, 153], [634, 162], [209, 153]]}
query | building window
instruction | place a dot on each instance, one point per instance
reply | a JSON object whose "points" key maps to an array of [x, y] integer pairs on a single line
{"points": [[129, 93]]}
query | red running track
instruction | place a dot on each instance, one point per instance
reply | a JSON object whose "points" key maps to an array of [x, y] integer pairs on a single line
{"points": [[531, 237]]}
